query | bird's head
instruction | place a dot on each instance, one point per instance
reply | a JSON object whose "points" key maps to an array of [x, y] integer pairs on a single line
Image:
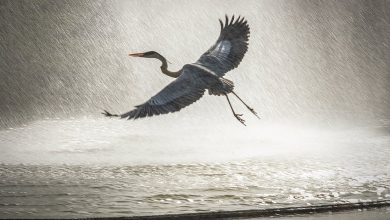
{"points": [[149, 54]]}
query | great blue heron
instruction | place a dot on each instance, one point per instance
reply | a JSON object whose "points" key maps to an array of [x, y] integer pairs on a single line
{"points": [[193, 79]]}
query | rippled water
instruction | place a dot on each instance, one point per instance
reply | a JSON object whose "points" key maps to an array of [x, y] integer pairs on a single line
{"points": [[338, 167]]}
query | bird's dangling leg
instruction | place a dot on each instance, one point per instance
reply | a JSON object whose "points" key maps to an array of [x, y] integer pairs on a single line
{"points": [[247, 106], [238, 116], [106, 113]]}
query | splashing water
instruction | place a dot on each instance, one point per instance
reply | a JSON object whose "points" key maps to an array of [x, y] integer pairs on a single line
{"points": [[316, 72], [117, 168]]}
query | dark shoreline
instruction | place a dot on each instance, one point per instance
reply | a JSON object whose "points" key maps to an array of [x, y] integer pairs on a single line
{"points": [[253, 213]]}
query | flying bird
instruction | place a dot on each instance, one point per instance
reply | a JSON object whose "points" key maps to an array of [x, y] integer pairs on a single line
{"points": [[207, 73]]}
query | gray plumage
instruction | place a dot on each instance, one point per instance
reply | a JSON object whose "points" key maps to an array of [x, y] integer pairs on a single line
{"points": [[230, 48], [185, 90], [193, 79]]}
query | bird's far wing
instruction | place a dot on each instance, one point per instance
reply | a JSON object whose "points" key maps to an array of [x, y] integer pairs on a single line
{"points": [[183, 91], [230, 48]]}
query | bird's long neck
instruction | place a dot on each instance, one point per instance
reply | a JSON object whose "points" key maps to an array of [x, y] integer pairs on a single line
{"points": [[164, 68]]}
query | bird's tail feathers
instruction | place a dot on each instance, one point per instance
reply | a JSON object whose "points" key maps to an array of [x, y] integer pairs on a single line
{"points": [[225, 87]]}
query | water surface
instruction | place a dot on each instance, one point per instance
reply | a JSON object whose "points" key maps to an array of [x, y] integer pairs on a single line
{"points": [[104, 172]]}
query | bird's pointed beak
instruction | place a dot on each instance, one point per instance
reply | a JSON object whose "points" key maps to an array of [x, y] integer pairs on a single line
{"points": [[136, 54]]}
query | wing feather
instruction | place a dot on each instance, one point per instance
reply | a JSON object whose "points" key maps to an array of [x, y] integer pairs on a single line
{"points": [[182, 92], [230, 48]]}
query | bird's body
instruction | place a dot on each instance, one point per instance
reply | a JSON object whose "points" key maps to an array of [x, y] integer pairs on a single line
{"points": [[194, 79]]}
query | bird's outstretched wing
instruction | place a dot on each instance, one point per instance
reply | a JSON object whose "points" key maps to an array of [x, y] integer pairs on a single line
{"points": [[183, 91], [230, 48]]}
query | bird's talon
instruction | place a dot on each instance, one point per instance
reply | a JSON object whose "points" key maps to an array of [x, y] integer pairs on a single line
{"points": [[254, 112], [241, 120]]}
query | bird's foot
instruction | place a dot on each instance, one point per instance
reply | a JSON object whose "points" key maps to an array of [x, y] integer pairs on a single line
{"points": [[107, 114], [241, 120], [254, 112]]}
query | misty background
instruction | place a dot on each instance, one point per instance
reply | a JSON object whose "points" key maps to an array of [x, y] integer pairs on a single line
{"points": [[316, 62], [317, 72]]}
